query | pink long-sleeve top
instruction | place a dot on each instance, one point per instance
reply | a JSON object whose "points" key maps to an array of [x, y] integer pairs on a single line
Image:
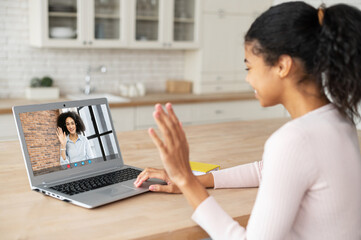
{"points": [[309, 184]]}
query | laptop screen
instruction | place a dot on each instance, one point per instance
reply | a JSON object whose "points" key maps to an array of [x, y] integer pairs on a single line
{"points": [[67, 138]]}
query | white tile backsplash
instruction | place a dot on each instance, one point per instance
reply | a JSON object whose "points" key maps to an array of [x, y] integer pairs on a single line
{"points": [[19, 62]]}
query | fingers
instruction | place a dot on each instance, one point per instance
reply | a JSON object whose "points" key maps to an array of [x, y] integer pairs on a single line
{"points": [[164, 124], [170, 188], [168, 123], [150, 173], [177, 125], [59, 133], [171, 113], [156, 140]]}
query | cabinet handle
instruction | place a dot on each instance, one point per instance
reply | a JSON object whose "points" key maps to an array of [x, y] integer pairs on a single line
{"points": [[219, 78], [84, 42], [90, 42], [169, 44], [164, 44], [218, 112]]}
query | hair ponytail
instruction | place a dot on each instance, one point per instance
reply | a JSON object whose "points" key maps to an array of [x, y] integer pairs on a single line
{"points": [[338, 58], [327, 42]]}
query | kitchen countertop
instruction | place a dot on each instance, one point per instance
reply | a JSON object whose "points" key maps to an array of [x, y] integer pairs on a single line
{"points": [[149, 99]]}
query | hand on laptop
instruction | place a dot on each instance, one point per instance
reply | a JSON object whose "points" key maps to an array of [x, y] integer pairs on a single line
{"points": [[159, 174]]}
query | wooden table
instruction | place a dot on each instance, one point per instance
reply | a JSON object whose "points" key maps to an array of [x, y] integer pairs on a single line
{"points": [[25, 214]]}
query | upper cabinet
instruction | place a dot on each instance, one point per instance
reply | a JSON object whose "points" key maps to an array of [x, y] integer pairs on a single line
{"points": [[107, 19], [236, 6], [77, 23], [218, 66], [164, 23], [115, 23]]}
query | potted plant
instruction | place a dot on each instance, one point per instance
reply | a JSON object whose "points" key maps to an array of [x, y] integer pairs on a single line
{"points": [[42, 88]]}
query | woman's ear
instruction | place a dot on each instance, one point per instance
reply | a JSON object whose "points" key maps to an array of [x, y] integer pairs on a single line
{"points": [[285, 63]]}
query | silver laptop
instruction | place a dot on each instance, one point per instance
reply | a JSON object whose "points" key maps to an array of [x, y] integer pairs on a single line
{"points": [[89, 171]]}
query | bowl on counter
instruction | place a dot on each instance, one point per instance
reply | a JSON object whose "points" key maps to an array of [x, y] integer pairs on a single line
{"points": [[62, 32]]}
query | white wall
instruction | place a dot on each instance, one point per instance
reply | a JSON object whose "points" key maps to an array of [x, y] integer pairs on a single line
{"points": [[19, 62]]}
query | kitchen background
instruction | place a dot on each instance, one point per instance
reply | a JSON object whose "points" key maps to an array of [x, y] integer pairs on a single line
{"points": [[19, 62], [202, 44]]}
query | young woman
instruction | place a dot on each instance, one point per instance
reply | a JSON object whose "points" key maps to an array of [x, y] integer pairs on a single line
{"points": [[74, 147], [309, 180]]}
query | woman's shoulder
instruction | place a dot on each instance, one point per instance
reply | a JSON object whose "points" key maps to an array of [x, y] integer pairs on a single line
{"points": [[313, 127], [290, 133]]}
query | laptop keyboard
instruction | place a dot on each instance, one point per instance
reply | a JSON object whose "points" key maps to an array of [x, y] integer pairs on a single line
{"points": [[100, 181]]}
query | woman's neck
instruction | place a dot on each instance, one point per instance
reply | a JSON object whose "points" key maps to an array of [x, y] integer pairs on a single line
{"points": [[304, 99], [73, 137]]}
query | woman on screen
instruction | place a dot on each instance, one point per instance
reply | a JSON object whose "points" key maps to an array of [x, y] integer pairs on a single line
{"points": [[74, 147]]}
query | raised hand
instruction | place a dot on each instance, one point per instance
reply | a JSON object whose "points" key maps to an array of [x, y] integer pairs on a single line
{"points": [[174, 151], [61, 136]]}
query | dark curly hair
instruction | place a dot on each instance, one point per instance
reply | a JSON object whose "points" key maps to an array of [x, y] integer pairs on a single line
{"points": [[330, 50], [80, 127]]}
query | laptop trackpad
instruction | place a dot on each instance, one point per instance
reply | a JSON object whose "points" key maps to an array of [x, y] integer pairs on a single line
{"points": [[116, 191]]}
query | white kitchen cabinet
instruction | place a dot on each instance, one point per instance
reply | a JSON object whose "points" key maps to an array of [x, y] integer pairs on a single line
{"points": [[252, 110], [219, 65], [169, 24], [56, 26], [144, 115], [220, 40], [211, 112], [123, 118], [234, 111], [8, 128], [236, 6], [161, 24], [78, 23], [216, 112], [107, 21]]}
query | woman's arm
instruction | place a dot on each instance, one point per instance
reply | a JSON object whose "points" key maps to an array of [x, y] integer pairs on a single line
{"points": [[242, 176], [64, 160]]}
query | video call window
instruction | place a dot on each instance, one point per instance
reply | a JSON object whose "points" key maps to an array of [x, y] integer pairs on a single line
{"points": [[68, 138]]}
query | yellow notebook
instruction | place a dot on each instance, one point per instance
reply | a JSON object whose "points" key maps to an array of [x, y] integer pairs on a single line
{"points": [[203, 168]]}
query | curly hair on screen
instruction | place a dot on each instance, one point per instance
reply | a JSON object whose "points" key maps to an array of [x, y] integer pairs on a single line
{"points": [[80, 127], [326, 40]]}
